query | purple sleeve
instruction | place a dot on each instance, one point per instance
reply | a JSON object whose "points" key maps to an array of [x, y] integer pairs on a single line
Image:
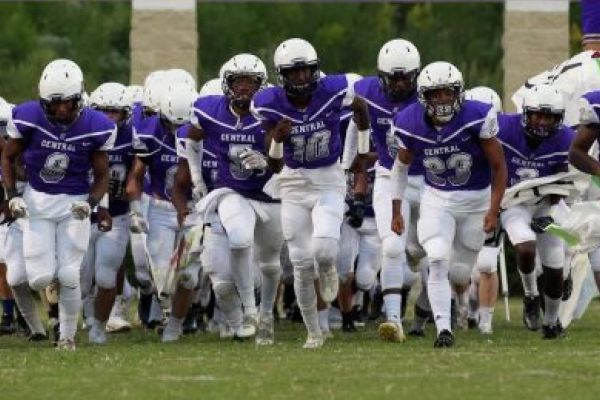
{"points": [[590, 21]]}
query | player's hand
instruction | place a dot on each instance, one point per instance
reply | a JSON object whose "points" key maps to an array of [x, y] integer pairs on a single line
{"points": [[17, 207], [490, 223], [138, 223], [356, 213], [282, 130], [104, 220], [252, 159], [80, 210], [398, 224]]}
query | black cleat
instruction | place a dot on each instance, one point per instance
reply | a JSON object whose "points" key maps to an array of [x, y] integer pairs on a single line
{"points": [[37, 337], [144, 306], [416, 332], [349, 327], [531, 312], [444, 339], [472, 323], [553, 332], [359, 317], [7, 325]]}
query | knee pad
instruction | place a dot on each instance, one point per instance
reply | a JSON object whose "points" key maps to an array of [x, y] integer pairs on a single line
{"points": [[224, 290], [365, 279], [410, 278], [188, 277], [106, 278], [68, 277], [459, 274], [270, 269], [487, 260], [240, 237], [393, 246], [325, 250], [438, 271]]}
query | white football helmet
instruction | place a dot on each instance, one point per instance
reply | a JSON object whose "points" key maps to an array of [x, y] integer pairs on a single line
{"points": [[154, 87], [212, 88], [109, 95], [5, 115], [486, 95], [398, 58], [441, 75], [61, 80], [243, 65], [180, 75], [134, 94], [176, 103], [544, 99], [296, 53]]}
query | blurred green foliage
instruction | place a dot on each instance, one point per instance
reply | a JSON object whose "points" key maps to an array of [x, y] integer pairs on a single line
{"points": [[347, 37]]}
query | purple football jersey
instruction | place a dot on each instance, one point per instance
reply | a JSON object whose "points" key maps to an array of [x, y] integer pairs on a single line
{"points": [[57, 157], [120, 159], [209, 157], [452, 157], [157, 146], [315, 138], [524, 162], [232, 135], [381, 112]]}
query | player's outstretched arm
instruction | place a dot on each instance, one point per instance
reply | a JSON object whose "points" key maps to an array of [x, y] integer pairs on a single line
{"points": [[495, 156], [399, 180], [579, 152]]}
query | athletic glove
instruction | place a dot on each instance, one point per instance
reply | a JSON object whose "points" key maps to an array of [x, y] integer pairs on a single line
{"points": [[18, 207], [356, 213], [80, 210], [252, 159]]}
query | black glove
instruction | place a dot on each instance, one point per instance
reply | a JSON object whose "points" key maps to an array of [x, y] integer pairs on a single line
{"points": [[356, 214], [540, 224]]}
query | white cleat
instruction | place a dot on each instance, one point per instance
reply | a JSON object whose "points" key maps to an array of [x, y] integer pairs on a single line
{"points": [[225, 331], [96, 336], [485, 329], [314, 342], [248, 327], [170, 335], [265, 333], [117, 322], [67, 344], [329, 284], [391, 332]]}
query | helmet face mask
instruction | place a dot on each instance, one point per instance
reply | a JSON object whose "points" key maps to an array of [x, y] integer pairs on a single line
{"points": [[241, 87], [440, 89], [110, 98], [299, 80], [398, 85], [62, 110], [543, 112]]}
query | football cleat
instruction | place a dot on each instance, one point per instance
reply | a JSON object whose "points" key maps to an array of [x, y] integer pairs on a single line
{"points": [[444, 339], [117, 321], [553, 332], [225, 331], [531, 312], [486, 329], [472, 323], [265, 333], [416, 332], [313, 342], [7, 325], [329, 284], [96, 336], [170, 335], [391, 331], [37, 337], [67, 344]]}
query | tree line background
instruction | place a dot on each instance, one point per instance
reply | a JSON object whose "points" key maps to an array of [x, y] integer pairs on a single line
{"points": [[347, 37]]}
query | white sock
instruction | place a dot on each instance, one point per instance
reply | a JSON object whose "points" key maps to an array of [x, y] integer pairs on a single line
{"points": [[230, 306], [306, 297], [485, 315], [438, 288], [27, 306], [324, 320], [69, 307], [175, 324], [551, 310], [241, 269], [268, 289], [392, 303], [529, 283], [99, 325]]}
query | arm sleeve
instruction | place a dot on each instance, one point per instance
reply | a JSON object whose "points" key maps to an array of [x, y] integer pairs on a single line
{"points": [[193, 154], [489, 128], [398, 179], [350, 145]]}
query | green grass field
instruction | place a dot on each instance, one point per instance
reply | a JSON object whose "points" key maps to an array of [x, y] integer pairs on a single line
{"points": [[511, 364]]}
